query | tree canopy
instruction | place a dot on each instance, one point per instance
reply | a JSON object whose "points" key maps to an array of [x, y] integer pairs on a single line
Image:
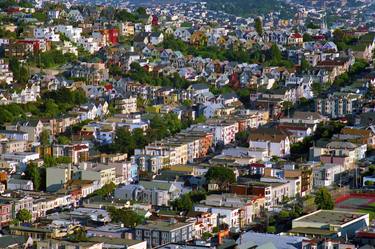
{"points": [[126, 216], [24, 215], [220, 175], [323, 199]]}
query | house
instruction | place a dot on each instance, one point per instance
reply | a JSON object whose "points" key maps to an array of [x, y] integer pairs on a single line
{"points": [[327, 175], [183, 33], [20, 184], [33, 128], [295, 39], [338, 104], [236, 210], [275, 141], [75, 16], [298, 117], [156, 38], [15, 135]]}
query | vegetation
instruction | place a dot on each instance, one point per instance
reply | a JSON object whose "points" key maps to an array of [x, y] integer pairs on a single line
{"points": [[236, 53], [52, 58], [126, 216], [161, 126], [79, 235], [248, 8], [50, 161], [259, 26], [220, 175], [138, 73], [346, 79], [52, 104], [186, 201], [20, 72], [24, 215], [323, 199], [33, 172], [105, 191]]}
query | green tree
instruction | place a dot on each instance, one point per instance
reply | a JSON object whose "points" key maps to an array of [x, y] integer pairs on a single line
{"points": [[323, 199], [220, 175], [271, 229], [206, 235], [276, 55], [183, 203], [242, 138], [44, 137], [105, 191], [305, 66], [20, 72], [126, 216], [33, 172], [24, 215], [63, 140], [307, 37], [79, 235], [259, 26]]}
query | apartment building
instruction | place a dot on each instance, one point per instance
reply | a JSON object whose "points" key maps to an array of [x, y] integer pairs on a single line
{"points": [[159, 232]]}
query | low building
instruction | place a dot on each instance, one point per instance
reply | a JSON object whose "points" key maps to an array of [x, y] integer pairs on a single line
{"points": [[16, 184], [159, 232], [329, 224]]}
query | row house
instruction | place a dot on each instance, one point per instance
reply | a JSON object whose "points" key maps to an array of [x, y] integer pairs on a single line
{"points": [[338, 104], [76, 152], [33, 128], [126, 105], [28, 94], [246, 208], [274, 142], [223, 130], [46, 33], [340, 152], [154, 192], [6, 76], [327, 175], [73, 33]]}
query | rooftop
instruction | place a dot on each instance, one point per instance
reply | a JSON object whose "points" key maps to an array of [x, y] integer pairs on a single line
{"points": [[331, 217], [163, 225]]}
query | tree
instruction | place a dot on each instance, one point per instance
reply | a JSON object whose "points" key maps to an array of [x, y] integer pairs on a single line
{"points": [[220, 175], [271, 229], [33, 172], [63, 140], [307, 37], [259, 26], [105, 191], [20, 72], [206, 235], [183, 203], [24, 215], [242, 138], [323, 199], [44, 137], [305, 65], [276, 55], [126, 216], [79, 235]]}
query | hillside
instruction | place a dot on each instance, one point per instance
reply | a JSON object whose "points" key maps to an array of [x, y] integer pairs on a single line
{"points": [[247, 8]]}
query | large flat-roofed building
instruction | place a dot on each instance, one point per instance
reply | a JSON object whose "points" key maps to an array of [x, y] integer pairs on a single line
{"points": [[329, 224], [162, 232]]}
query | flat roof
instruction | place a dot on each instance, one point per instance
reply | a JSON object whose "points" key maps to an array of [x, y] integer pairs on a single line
{"points": [[162, 225], [331, 217], [312, 230], [114, 241]]}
